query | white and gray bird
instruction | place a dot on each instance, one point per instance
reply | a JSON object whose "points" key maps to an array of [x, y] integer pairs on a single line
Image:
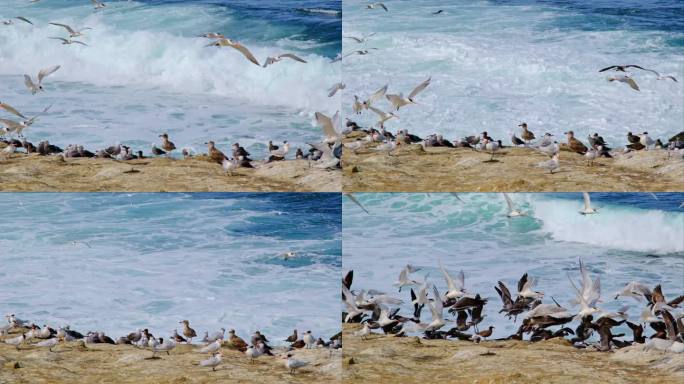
{"points": [[213, 361], [272, 60], [226, 42], [38, 86], [329, 126], [512, 211], [293, 364], [11, 21], [377, 5], [68, 41], [625, 79], [587, 210], [382, 116], [336, 87], [72, 32], [399, 100], [551, 165]]}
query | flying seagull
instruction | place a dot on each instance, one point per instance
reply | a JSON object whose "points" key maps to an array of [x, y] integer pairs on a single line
{"points": [[225, 42], [273, 60], [36, 87], [399, 100]]}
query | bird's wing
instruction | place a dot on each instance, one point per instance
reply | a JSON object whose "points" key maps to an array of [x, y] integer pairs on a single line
{"points": [[395, 100], [246, 53], [269, 61], [670, 77], [22, 18], [509, 202], [436, 306], [357, 202], [68, 28], [383, 6], [28, 82], [47, 72], [10, 123], [419, 88], [326, 124], [587, 200], [354, 38], [451, 285], [377, 94], [293, 57], [631, 83], [79, 42], [607, 68], [377, 111], [11, 110], [59, 38]]}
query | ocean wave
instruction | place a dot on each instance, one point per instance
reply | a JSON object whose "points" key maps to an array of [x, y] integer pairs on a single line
{"points": [[324, 11]]}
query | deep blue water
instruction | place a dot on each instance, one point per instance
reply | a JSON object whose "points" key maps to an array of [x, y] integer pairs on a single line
{"points": [[661, 201]]}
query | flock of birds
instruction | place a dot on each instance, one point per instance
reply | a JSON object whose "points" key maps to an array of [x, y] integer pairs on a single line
{"points": [[31, 335], [388, 142], [541, 321], [325, 154]]}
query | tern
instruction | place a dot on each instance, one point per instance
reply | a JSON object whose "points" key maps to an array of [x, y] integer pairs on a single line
{"points": [[328, 126], [36, 87], [273, 60], [383, 116], [293, 364], [68, 41], [225, 42], [98, 4], [403, 280], [588, 210], [72, 32], [336, 87], [377, 5], [551, 165], [623, 68], [360, 39], [512, 211], [360, 52], [399, 100], [18, 127], [625, 79], [22, 18], [455, 288], [213, 361]]}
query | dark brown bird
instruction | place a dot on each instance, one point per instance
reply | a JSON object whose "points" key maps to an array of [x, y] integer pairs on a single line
{"points": [[574, 144], [486, 333], [187, 331], [236, 341], [298, 344], [293, 337], [167, 145], [215, 154], [526, 134], [157, 152]]}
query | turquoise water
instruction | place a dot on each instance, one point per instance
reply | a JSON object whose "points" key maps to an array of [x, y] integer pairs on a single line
{"points": [[117, 262], [634, 237], [145, 72], [495, 64]]}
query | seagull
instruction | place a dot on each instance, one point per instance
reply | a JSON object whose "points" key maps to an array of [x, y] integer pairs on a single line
{"points": [[213, 35], [36, 87], [68, 41], [455, 288], [163, 346], [360, 52], [293, 364], [212, 347], [634, 289], [384, 116], [336, 87], [623, 68], [625, 79], [512, 212], [360, 39], [72, 32], [18, 127], [225, 42], [98, 4], [399, 100], [588, 210], [253, 353], [363, 332], [551, 165], [48, 343], [22, 18], [328, 125], [403, 278], [213, 361], [376, 5], [273, 60]]}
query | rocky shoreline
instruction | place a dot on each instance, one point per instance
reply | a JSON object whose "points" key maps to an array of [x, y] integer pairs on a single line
{"points": [[415, 360], [24, 173], [411, 168]]}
